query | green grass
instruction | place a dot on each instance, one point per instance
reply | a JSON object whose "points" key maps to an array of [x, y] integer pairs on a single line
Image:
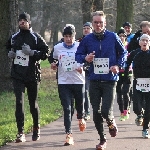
{"points": [[49, 103], [45, 64]]}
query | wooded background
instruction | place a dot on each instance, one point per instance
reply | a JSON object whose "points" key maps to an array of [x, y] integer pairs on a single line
{"points": [[48, 17]]}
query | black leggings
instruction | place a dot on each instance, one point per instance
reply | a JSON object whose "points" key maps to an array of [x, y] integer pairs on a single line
{"points": [[32, 90], [124, 95]]}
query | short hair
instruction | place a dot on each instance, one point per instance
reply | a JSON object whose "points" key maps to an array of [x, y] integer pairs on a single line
{"points": [[70, 25], [69, 29], [98, 13], [144, 24], [145, 36], [122, 31]]}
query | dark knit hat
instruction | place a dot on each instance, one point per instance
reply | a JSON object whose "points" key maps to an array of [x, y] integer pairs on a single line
{"points": [[25, 16], [127, 24], [121, 31], [69, 30], [88, 24]]}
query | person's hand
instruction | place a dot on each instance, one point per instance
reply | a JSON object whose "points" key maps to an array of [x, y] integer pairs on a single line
{"points": [[11, 54], [54, 66], [79, 70], [114, 69], [89, 58], [26, 50]]}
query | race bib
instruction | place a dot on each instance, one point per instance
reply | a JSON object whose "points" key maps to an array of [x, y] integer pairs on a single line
{"points": [[101, 65], [67, 61], [143, 84], [21, 58]]}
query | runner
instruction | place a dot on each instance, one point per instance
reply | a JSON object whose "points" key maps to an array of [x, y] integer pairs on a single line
{"points": [[123, 89], [141, 70], [71, 80], [105, 52]]}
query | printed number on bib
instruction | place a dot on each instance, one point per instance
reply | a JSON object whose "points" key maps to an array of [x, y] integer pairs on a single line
{"points": [[143, 84], [101, 65], [67, 61], [21, 58]]}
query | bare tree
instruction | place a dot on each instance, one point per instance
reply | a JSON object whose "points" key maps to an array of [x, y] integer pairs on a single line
{"points": [[124, 12], [8, 19]]}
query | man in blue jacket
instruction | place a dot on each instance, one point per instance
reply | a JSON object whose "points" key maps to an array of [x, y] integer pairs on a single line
{"points": [[105, 53]]}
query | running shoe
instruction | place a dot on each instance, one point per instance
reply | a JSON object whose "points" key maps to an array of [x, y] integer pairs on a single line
{"points": [[82, 124], [20, 137], [112, 128], [36, 134], [69, 140], [126, 114], [139, 120], [87, 116], [145, 134], [129, 109], [101, 145], [122, 117]]}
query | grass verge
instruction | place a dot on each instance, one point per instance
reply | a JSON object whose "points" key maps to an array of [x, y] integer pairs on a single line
{"points": [[49, 103]]}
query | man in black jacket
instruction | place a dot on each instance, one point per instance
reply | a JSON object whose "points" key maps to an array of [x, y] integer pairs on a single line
{"points": [[26, 48]]}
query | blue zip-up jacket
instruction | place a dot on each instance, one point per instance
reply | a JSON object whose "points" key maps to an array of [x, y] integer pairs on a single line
{"points": [[129, 37], [109, 47]]}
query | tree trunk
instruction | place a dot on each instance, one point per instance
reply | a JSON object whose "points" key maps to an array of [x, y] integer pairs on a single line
{"points": [[45, 19], [89, 6], [8, 19], [98, 5], [124, 12], [55, 36], [86, 10]]}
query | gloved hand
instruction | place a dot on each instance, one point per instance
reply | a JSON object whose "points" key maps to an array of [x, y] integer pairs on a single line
{"points": [[11, 54], [26, 50]]}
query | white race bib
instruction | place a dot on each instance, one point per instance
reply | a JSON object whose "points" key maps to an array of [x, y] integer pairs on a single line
{"points": [[67, 61], [101, 65], [21, 58], [143, 84]]}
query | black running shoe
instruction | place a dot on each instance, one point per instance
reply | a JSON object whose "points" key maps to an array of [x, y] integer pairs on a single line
{"points": [[36, 134], [112, 128], [101, 145]]}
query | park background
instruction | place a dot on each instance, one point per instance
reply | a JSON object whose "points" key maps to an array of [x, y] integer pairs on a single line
{"points": [[48, 17]]}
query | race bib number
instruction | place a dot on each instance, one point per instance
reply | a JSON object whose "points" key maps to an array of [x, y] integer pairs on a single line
{"points": [[101, 65], [21, 58], [67, 61], [143, 84]]}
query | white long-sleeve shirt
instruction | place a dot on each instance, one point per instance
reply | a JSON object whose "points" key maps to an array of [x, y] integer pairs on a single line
{"points": [[67, 65]]}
